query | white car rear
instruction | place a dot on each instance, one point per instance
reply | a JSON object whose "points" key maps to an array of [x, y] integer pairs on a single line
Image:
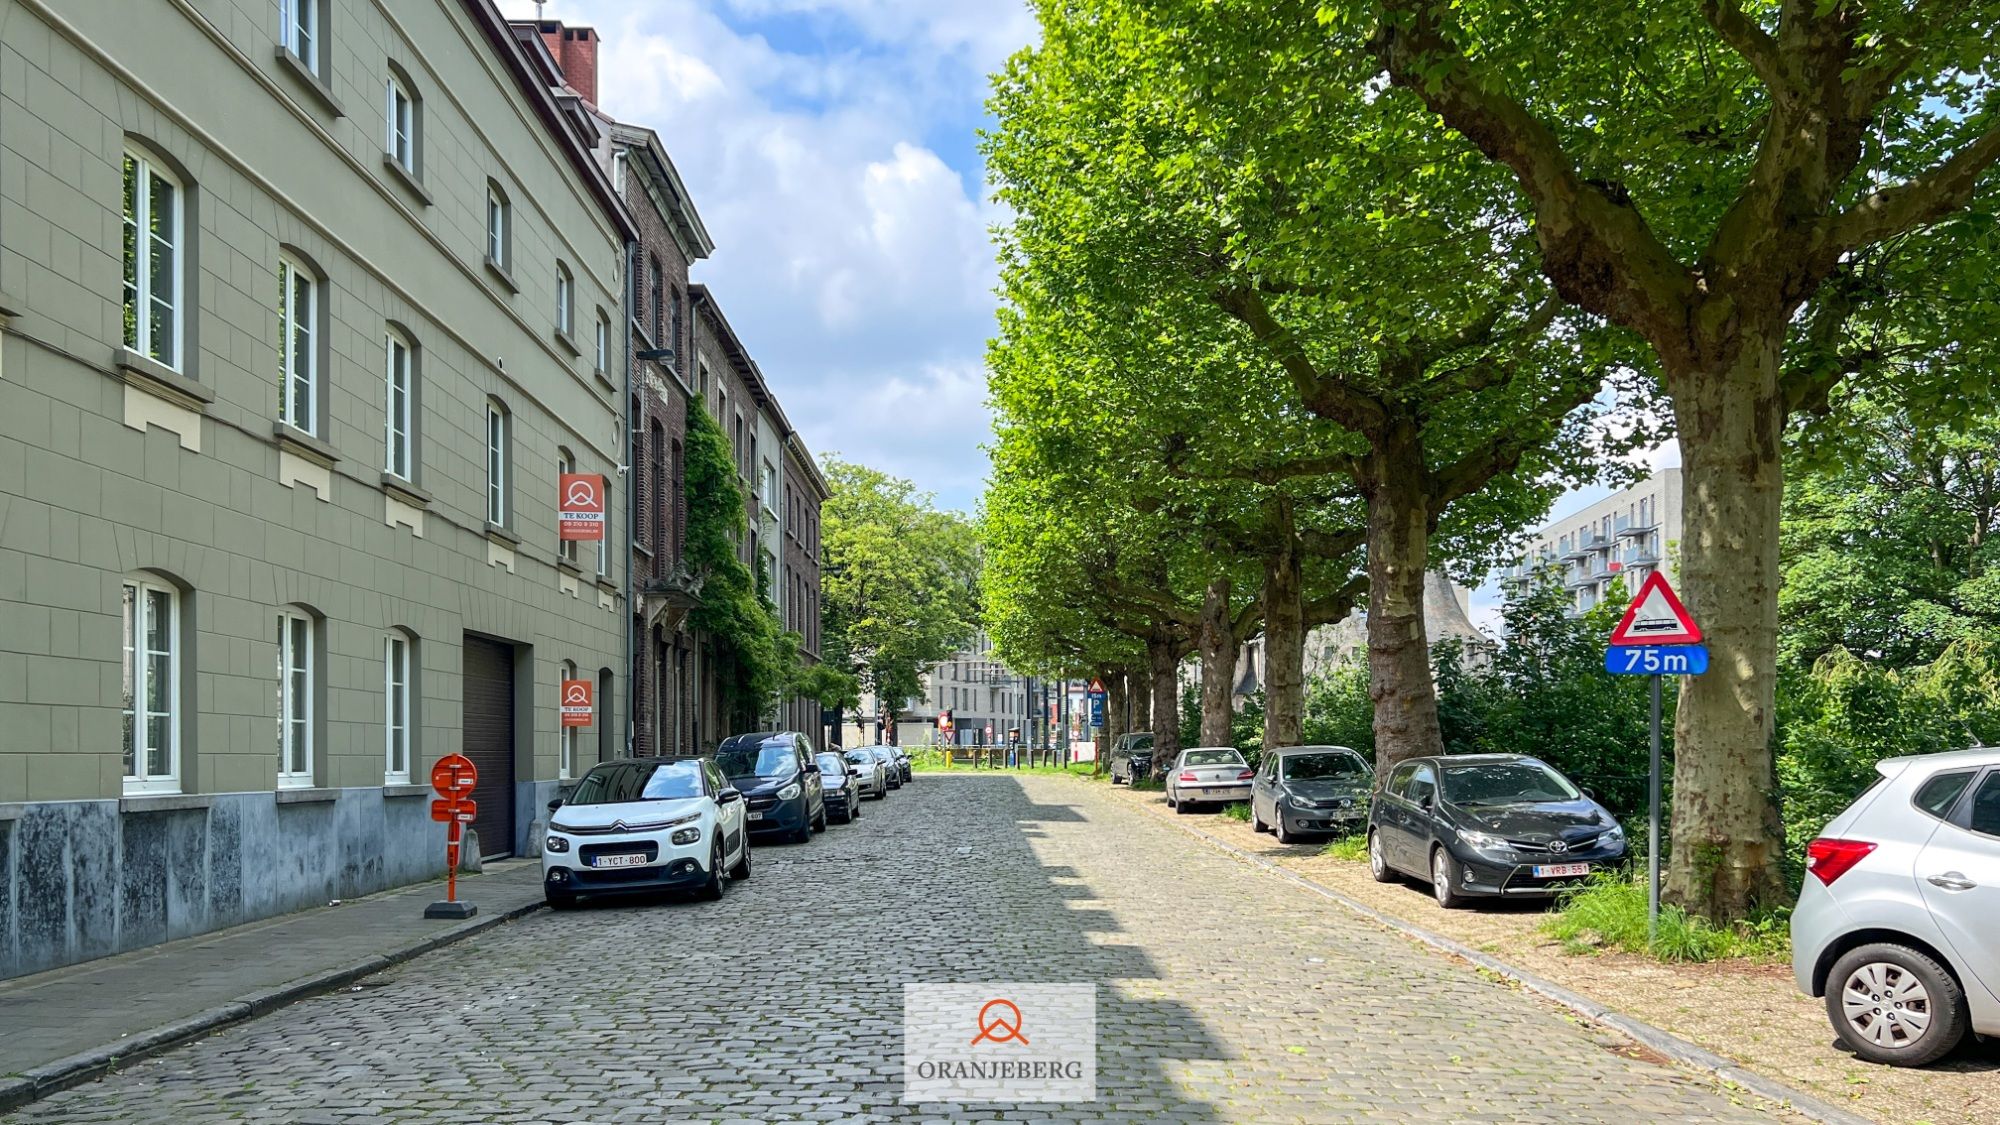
{"points": [[1208, 774], [1898, 924]]}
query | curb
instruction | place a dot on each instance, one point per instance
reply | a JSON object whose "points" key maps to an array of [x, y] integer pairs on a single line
{"points": [[1666, 1043], [84, 1066]]}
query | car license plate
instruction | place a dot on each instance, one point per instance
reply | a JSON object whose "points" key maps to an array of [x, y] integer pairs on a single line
{"points": [[634, 859], [1560, 870], [756, 816]]}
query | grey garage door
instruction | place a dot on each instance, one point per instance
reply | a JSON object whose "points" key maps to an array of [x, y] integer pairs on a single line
{"points": [[489, 739]]}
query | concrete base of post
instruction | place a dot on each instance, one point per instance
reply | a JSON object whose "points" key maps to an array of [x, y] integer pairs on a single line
{"points": [[457, 911]]}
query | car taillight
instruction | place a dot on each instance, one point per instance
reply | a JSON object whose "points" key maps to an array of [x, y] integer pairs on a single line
{"points": [[1245, 775], [1829, 858], [1186, 775]]}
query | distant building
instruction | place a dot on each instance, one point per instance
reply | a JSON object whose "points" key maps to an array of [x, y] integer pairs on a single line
{"points": [[982, 694], [1624, 536]]}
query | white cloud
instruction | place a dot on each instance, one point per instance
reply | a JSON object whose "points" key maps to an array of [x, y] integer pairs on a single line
{"points": [[827, 144]]}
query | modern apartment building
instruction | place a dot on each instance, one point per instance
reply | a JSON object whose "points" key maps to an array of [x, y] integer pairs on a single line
{"points": [[986, 700], [1624, 537], [305, 307]]}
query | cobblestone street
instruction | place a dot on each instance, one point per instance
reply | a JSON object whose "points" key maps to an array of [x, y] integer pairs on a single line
{"points": [[1224, 995]]}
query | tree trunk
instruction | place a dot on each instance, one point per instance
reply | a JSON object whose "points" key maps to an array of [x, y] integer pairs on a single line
{"points": [[1218, 664], [1139, 695], [1728, 838], [1399, 654], [1163, 660], [1116, 721], [1284, 647]]}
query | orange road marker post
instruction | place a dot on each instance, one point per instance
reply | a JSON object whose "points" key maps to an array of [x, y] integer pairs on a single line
{"points": [[454, 777]]}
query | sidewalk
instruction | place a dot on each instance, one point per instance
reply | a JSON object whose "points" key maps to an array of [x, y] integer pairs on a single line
{"points": [[71, 1024]]}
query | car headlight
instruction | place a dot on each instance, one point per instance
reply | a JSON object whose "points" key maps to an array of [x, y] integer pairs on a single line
{"points": [[1613, 838], [1299, 802], [687, 835], [556, 844], [789, 791], [1484, 842]]}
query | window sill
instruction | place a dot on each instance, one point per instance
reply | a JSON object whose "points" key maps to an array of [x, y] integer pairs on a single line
{"points": [[9, 309], [395, 790], [642, 549], [294, 440], [306, 795], [567, 343], [406, 491], [501, 274], [322, 93], [150, 375], [164, 802], [604, 377], [500, 534], [407, 178], [568, 566], [605, 584]]}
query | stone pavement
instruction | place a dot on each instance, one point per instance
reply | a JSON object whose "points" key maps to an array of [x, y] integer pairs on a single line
{"points": [[1224, 995], [98, 1004]]}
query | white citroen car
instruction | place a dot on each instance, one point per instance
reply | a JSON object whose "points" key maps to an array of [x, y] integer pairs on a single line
{"points": [[1898, 924], [642, 825]]}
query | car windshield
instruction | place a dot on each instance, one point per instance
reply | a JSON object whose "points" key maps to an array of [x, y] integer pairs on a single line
{"points": [[1318, 767], [860, 757], [883, 754], [831, 763], [1212, 758], [768, 759], [1505, 783], [620, 782], [1142, 742]]}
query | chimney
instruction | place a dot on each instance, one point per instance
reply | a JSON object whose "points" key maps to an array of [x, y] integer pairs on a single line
{"points": [[575, 51]]}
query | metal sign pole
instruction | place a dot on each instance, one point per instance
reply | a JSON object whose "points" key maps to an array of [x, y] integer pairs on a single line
{"points": [[1653, 829]]}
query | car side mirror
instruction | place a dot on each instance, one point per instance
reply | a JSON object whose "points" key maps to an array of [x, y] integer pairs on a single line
{"points": [[1589, 792], [1428, 802], [555, 804], [729, 796], [854, 771]]}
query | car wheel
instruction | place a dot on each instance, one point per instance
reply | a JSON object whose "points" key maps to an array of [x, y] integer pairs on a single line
{"points": [[560, 900], [1444, 879], [1183, 805], [712, 889], [1114, 778], [1285, 835], [1378, 865], [742, 868], [1894, 1005], [854, 808], [1256, 822], [819, 822]]}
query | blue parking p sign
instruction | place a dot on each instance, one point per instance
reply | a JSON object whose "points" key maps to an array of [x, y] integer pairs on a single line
{"points": [[1096, 709]]}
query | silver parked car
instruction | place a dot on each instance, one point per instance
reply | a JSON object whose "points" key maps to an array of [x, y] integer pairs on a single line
{"points": [[869, 772], [1207, 774], [1898, 924]]}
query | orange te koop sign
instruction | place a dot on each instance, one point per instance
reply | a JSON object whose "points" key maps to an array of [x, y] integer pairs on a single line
{"points": [[576, 703], [454, 776], [580, 506]]}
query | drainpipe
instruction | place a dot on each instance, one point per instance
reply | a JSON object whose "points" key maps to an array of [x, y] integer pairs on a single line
{"points": [[631, 507]]}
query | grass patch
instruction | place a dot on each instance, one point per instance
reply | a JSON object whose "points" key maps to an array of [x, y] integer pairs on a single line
{"points": [[1609, 912], [1351, 848], [1236, 810]]}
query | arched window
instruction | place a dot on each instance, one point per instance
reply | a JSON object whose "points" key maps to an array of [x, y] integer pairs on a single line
{"points": [[154, 240], [152, 687], [565, 464], [298, 344], [399, 405], [404, 122], [399, 689], [499, 228], [298, 690], [565, 300]]}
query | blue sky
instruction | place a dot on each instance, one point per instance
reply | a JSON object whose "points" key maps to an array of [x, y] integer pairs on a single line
{"points": [[831, 148]]}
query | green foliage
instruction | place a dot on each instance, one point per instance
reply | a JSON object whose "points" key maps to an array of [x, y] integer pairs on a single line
{"points": [[754, 658], [1237, 810], [1338, 709], [899, 581], [1246, 724], [1353, 849], [1609, 912], [1847, 714]]}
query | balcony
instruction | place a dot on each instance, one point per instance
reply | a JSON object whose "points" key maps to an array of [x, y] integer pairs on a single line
{"points": [[1637, 530]]}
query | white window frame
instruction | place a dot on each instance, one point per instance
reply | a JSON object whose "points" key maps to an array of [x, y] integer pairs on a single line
{"points": [[293, 323], [565, 301], [496, 227], [399, 378], [299, 24], [400, 111], [604, 547], [398, 671], [602, 343], [296, 671], [496, 464], [566, 549], [566, 734], [140, 288], [139, 681]]}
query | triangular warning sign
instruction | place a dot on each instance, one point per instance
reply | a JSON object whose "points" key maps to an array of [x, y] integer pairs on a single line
{"points": [[1096, 686], [1656, 617]]}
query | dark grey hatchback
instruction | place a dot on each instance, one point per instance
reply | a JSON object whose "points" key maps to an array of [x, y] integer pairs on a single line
{"points": [[1488, 825]]}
